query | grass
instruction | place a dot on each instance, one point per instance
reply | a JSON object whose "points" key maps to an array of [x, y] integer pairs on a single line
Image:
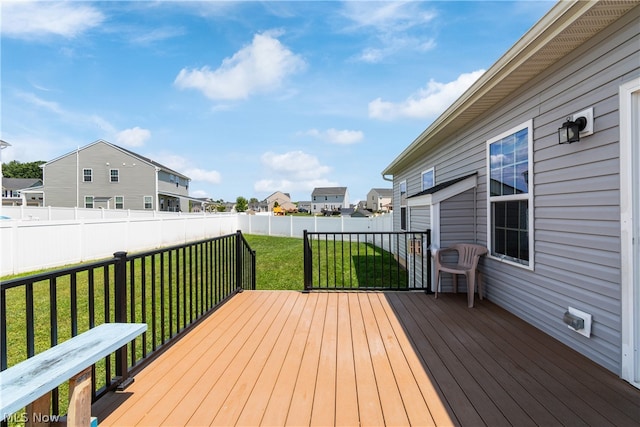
{"points": [[278, 262]]}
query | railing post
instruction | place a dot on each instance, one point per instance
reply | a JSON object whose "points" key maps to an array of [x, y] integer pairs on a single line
{"points": [[429, 262], [239, 261], [122, 366], [306, 256]]}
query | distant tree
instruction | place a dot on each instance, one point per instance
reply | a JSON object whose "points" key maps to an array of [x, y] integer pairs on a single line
{"points": [[276, 204], [221, 208], [15, 169], [253, 200], [241, 204]]}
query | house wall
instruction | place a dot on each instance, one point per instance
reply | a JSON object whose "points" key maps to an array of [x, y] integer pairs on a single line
{"points": [[576, 259], [329, 202], [173, 184], [64, 186]]}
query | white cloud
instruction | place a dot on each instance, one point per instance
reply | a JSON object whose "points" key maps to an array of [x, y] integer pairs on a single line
{"points": [[427, 102], [197, 174], [28, 20], [336, 136], [387, 17], [293, 171], [259, 67], [134, 137], [394, 26], [186, 167]]}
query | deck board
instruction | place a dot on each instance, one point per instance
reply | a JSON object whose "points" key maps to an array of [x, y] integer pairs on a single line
{"points": [[371, 359]]}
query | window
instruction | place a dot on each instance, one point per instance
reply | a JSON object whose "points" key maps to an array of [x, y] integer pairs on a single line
{"points": [[87, 175], [428, 179], [119, 202], [403, 205], [148, 202], [510, 196], [114, 175], [88, 202]]}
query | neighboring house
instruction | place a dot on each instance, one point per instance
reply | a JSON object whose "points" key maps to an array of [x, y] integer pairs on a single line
{"points": [[379, 199], [103, 175], [361, 213], [561, 221], [21, 192], [329, 199], [304, 206], [283, 201]]}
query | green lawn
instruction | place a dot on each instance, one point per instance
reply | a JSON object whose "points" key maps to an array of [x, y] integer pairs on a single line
{"points": [[279, 262]]}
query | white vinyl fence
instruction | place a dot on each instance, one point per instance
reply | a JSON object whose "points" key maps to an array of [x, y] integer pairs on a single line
{"points": [[39, 238]]}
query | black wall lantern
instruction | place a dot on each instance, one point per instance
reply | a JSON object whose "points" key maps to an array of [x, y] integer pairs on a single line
{"points": [[570, 130]]}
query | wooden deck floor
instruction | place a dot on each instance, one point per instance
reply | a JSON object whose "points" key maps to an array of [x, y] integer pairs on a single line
{"points": [[289, 358]]}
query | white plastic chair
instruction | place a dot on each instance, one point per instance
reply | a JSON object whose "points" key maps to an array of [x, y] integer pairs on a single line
{"points": [[468, 256]]}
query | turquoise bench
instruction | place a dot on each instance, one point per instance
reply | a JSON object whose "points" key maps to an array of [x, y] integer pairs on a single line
{"points": [[28, 383]]}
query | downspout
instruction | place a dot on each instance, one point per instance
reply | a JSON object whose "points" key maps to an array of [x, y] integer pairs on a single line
{"points": [[157, 207], [77, 177]]}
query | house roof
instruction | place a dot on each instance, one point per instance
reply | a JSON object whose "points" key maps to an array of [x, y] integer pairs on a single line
{"points": [[566, 26], [443, 191], [129, 152], [20, 183], [329, 191], [442, 186], [383, 192]]}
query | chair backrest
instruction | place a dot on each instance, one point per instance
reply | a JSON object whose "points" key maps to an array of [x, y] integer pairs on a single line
{"points": [[469, 253]]}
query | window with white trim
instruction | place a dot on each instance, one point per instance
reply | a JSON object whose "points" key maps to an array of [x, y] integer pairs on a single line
{"points": [[428, 178], [403, 205], [114, 175], [88, 202], [510, 210], [119, 202], [87, 175], [148, 202]]}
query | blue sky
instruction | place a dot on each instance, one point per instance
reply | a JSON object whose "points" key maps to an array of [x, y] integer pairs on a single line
{"points": [[245, 98]]}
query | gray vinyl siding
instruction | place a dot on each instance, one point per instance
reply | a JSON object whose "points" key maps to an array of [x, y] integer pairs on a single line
{"points": [[419, 218], [62, 183], [576, 229]]}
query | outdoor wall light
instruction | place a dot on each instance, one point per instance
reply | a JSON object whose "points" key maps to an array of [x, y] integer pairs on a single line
{"points": [[570, 130], [576, 126]]}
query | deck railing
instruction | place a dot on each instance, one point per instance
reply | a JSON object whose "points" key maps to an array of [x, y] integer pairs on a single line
{"points": [[170, 289], [367, 261]]}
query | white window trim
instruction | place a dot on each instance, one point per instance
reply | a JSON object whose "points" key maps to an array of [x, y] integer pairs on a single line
{"points": [[403, 182], [529, 125], [83, 175], [433, 172], [115, 202], [93, 202], [144, 202], [111, 176]]}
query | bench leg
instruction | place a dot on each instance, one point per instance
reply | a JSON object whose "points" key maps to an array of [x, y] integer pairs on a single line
{"points": [[79, 413], [38, 411]]}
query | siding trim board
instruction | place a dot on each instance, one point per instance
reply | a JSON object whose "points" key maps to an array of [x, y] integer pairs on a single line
{"points": [[629, 94]]}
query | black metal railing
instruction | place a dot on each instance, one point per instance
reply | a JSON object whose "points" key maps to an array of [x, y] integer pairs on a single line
{"points": [[170, 289], [367, 261]]}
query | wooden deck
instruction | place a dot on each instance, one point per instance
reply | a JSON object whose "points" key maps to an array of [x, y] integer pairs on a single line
{"points": [[287, 358]]}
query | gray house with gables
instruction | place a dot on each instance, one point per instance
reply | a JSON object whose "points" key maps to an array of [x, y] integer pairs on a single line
{"points": [[561, 219], [103, 175], [329, 199]]}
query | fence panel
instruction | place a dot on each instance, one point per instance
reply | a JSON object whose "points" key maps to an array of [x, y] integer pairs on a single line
{"points": [[367, 261]]}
